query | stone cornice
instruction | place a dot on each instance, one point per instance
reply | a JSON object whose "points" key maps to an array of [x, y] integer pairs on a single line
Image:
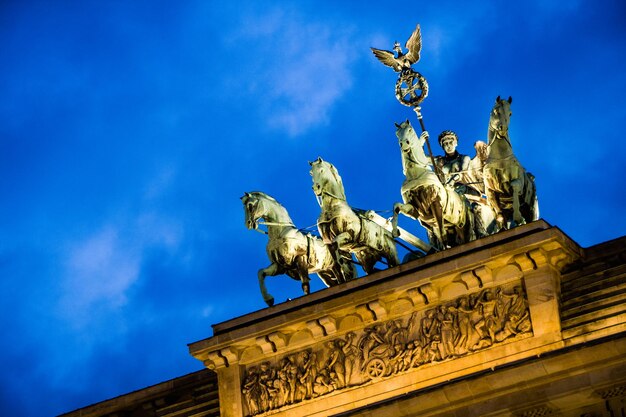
{"points": [[439, 277]]}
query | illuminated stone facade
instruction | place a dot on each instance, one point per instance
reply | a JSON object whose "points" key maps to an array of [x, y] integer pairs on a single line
{"points": [[522, 323]]}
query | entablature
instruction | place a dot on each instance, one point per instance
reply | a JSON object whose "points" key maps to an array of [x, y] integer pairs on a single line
{"points": [[418, 285]]}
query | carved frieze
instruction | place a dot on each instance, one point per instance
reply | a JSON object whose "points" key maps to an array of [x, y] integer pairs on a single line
{"points": [[386, 348]]}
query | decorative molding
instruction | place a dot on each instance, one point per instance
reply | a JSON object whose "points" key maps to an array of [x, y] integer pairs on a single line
{"points": [[366, 314], [429, 293], [485, 276], [471, 280], [378, 308], [525, 262], [231, 355], [618, 391], [278, 339], [317, 330], [468, 324], [417, 298], [329, 324], [265, 344], [537, 412], [216, 360]]}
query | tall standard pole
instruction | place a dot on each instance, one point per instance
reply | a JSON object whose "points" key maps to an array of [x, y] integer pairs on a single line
{"points": [[411, 90]]}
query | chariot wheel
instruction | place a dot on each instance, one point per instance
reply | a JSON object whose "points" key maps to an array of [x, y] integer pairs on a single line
{"points": [[411, 88], [376, 368]]}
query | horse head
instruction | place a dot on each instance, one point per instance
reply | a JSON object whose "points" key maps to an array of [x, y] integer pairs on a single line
{"points": [[411, 145], [253, 208], [326, 179], [258, 205], [500, 117], [407, 138]]}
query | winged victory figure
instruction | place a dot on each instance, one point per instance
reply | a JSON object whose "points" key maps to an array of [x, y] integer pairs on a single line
{"points": [[402, 61]]}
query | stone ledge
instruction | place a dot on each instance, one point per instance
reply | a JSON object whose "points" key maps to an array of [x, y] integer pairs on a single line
{"points": [[472, 256]]}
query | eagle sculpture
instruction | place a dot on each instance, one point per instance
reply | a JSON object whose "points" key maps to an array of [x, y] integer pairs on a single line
{"points": [[402, 61]]}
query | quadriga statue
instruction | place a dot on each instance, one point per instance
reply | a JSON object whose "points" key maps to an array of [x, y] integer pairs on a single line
{"points": [[347, 229], [510, 189], [465, 176], [444, 213], [290, 251]]}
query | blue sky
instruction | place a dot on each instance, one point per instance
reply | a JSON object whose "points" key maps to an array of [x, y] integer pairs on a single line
{"points": [[129, 130]]}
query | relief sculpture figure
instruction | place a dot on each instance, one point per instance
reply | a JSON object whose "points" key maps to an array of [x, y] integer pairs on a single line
{"points": [[345, 228], [290, 251], [470, 323], [516, 315], [266, 379], [444, 213], [487, 326], [467, 335], [336, 363], [307, 374], [250, 391], [351, 354], [291, 370], [509, 187]]}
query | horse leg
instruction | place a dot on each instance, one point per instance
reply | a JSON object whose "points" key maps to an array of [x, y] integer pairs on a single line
{"points": [[391, 252], [480, 225], [406, 209], [470, 225], [367, 259], [306, 287], [535, 203], [302, 273], [432, 239], [337, 272], [487, 224], [531, 197], [271, 270], [493, 203], [490, 182], [330, 278], [330, 270], [517, 185], [347, 269], [394, 220], [339, 242], [437, 211]]}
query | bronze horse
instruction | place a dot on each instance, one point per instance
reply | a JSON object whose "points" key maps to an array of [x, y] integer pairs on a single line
{"points": [[509, 187], [345, 228], [290, 251], [444, 213]]}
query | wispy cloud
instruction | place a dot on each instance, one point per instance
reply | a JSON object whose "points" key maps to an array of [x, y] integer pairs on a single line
{"points": [[101, 268], [305, 68]]}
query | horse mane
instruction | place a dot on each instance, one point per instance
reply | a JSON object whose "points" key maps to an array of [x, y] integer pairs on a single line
{"points": [[499, 143], [338, 181], [337, 187], [280, 211], [491, 132], [417, 148], [260, 194]]}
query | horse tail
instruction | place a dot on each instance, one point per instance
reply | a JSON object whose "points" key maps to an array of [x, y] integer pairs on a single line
{"points": [[531, 196]]}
